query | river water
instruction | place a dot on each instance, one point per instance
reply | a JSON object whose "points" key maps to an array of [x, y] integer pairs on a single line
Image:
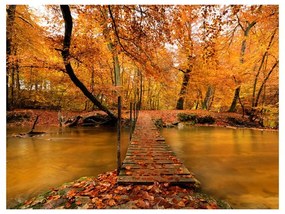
{"points": [[237, 165], [240, 166]]}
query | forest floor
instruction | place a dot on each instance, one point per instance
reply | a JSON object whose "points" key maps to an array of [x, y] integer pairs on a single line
{"points": [[104, 192]]}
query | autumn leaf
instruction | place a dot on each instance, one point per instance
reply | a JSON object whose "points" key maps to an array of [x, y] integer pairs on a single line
{"points": [[28, 202], [98, 202], [54, 197], [71, 193], [147, 196], [107, 196], [111, 202], [128, 173], [212, 206], [78, 203], [141, 204], [67, 205], [181, 204]]}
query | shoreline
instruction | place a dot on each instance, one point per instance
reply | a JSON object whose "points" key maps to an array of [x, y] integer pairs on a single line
{"points": [[49, 118]]}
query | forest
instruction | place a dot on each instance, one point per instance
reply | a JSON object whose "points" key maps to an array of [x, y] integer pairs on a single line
{"points": [[141, 105], [220, 58]]}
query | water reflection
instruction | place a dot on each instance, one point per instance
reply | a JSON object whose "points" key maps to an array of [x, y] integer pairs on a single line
{"points": [[37, 164], [240, 166]]}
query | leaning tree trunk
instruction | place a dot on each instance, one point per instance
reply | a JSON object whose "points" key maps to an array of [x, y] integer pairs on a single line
{"points": [[66, 58], [183, 90]]}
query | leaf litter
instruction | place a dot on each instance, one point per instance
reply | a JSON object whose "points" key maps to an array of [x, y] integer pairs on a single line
{"points": [[105, 193]]}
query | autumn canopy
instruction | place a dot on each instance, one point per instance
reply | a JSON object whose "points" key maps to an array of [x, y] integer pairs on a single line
{"points": [[79, 57]]}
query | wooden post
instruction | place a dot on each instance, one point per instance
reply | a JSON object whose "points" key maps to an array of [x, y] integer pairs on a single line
{"points": [[134, 108], [131, 120], [119, 136]]}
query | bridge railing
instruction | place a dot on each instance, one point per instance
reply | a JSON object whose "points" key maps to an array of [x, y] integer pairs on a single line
{"points": [[134, 113]]}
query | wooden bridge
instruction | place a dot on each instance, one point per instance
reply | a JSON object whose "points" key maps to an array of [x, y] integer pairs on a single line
{"points": [[149, 159]]}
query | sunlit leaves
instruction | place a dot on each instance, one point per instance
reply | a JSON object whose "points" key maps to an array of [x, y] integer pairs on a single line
{"points": [[152, 40]]}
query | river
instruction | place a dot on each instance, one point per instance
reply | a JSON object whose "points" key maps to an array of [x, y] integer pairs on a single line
{"points": [[237, 165], [240, 166]]}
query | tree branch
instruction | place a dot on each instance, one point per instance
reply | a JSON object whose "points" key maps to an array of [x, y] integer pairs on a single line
{"points": [[25, 21], [264, 81], [66, 58], [118, 37]]}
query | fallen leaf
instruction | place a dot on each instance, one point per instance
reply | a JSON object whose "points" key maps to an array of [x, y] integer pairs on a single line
{"points": [[98, 202], [78, 202], [111, 203], [107, 196], [28, 202], [181, 204], [141, 204], [71, 193], [54, 197], [67, 205]]}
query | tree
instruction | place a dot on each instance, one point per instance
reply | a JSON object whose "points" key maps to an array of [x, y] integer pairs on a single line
{"points": [[184, 16], [245, 27], [9, 37], [66, 58]]}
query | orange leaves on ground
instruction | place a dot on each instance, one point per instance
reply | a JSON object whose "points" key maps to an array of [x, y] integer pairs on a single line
{"points": [[111, 202], [147, 196], [98, 203], [104, 192], [54, 197], [71, 193], [67, 205], [129, 173], [181, 204], [142, 204]]}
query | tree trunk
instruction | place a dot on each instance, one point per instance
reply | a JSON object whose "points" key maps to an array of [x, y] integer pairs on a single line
{"points": [[9, 34], [242, 53], [263, 83], [208, 98], [235, 100], [66, 57], [183, 90], [263, 60]]}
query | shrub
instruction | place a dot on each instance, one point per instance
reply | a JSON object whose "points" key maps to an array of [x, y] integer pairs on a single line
{"points": [[206, 119], [233, 121], [183, 117]]}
